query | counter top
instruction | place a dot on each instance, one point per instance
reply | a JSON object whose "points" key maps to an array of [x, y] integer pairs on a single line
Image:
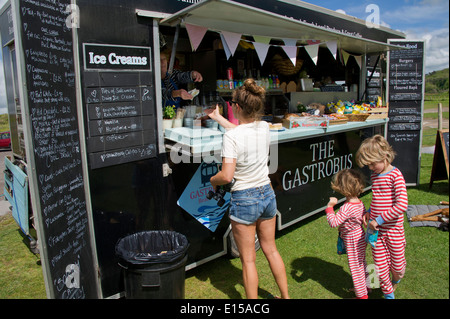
{"points": [[204, 140]]}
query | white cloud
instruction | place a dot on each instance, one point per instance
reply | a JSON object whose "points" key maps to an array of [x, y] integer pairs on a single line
{"points": [[436, 47]]}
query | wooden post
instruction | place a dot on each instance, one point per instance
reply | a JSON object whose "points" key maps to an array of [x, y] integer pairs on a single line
{"points": [[439, 116]]}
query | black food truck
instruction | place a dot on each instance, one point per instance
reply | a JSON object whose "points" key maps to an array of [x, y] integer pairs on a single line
{"points": [[93, 163]]}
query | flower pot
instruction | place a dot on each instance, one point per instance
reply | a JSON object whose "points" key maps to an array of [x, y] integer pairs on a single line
{"points": [[178, 122], [167, 123]]}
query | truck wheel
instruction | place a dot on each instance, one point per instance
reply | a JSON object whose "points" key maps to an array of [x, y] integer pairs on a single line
{"points": [[233, 251]]}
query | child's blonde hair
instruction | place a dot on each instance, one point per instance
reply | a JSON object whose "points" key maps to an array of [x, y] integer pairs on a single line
{"points": [[348, 182], [374, 149]]}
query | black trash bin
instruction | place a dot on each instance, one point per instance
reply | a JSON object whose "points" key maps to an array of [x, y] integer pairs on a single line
{"points": [[154, 264]]}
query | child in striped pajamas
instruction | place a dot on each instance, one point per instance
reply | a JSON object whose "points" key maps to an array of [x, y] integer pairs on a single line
{"points": [[349, 218], [389, 203]]}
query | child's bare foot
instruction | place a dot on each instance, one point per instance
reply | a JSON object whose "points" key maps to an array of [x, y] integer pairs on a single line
{"points": [[395, 280], [395, 284]]}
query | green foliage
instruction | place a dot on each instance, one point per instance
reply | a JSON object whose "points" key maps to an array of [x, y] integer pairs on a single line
{"points": [[308, 249], [437, 81], [4, 122], [169, 112]]}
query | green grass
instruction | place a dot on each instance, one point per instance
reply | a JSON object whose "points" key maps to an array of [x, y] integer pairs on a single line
{"points": [[316, 271], [20, 271], [4, 123], [308, 249]]}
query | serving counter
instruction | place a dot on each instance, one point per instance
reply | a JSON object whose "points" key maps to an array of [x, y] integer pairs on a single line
{"points": [[302, 162], [198, 141]]}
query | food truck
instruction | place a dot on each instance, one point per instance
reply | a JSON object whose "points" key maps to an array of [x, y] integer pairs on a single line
{"points": [[91, 155]]}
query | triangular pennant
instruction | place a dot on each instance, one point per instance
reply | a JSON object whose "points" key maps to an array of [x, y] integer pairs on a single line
{"points": [[261, 39], [232, 40], [291, 51], [313, 51], [225, 46], [311, 42], [196, 34], [358, 60], [341, 57], [332, 46], [290, 42], [345, 56], [261, 49]]}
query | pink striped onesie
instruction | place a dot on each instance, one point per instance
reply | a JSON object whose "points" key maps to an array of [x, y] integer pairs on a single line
{"points": [[349, 219], [389, 202]]}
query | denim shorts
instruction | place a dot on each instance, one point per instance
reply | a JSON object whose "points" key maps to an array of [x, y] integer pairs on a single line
{"points": [[249, 205]]}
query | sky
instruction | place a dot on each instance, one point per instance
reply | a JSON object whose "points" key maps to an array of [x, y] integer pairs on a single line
{"points": [[426, 20]]}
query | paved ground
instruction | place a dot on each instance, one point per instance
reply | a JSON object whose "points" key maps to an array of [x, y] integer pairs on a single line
{"points": [[4, 204]]}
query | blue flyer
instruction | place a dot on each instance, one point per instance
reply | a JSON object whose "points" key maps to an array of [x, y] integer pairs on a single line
{"points": [[194, 200]]}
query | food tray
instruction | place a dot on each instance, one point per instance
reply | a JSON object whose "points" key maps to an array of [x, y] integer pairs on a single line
{"points": [[335, 119], [378, 113], [356, 117], [336, 122], [305, 122]]}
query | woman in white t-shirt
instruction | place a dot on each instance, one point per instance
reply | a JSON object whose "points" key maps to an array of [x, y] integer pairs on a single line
{"points": [[245, 153]]}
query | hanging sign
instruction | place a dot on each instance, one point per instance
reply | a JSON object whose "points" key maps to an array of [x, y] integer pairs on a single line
{"points": [[194, 200], [116, 57]]}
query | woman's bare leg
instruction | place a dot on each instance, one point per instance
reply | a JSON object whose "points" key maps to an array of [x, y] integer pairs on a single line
{"points": [[266, 236], [244, 235]]}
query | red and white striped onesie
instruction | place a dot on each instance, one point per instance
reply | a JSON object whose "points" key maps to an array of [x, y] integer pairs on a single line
{"points": [[389, 202], [349, 219]]}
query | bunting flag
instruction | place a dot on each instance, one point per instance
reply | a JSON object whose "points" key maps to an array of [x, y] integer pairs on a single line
{"points": [[313, 51], [196, 34], [291, 51], [225, 46], [261, 50], [345, 56], [332, 46], [261, 39], [232, 40], [358, 59], [311, 42], [290, 42]]}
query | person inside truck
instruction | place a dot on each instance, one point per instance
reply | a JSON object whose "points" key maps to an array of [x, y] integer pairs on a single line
{"points": [[172, 92]]}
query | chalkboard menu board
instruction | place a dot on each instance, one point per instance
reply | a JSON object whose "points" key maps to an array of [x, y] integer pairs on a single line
{"points": [[48, 68], [440, 170], [405, 98], [119, 103]]}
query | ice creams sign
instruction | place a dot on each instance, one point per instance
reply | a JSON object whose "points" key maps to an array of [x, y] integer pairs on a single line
{"points": [[116, 57]]}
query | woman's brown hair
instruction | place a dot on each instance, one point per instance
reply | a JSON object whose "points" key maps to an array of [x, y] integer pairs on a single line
{"points": [[251, 99]]}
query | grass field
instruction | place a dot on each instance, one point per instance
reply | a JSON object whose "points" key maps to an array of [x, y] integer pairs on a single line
{"points": [[315, 271], [308, 249]]}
